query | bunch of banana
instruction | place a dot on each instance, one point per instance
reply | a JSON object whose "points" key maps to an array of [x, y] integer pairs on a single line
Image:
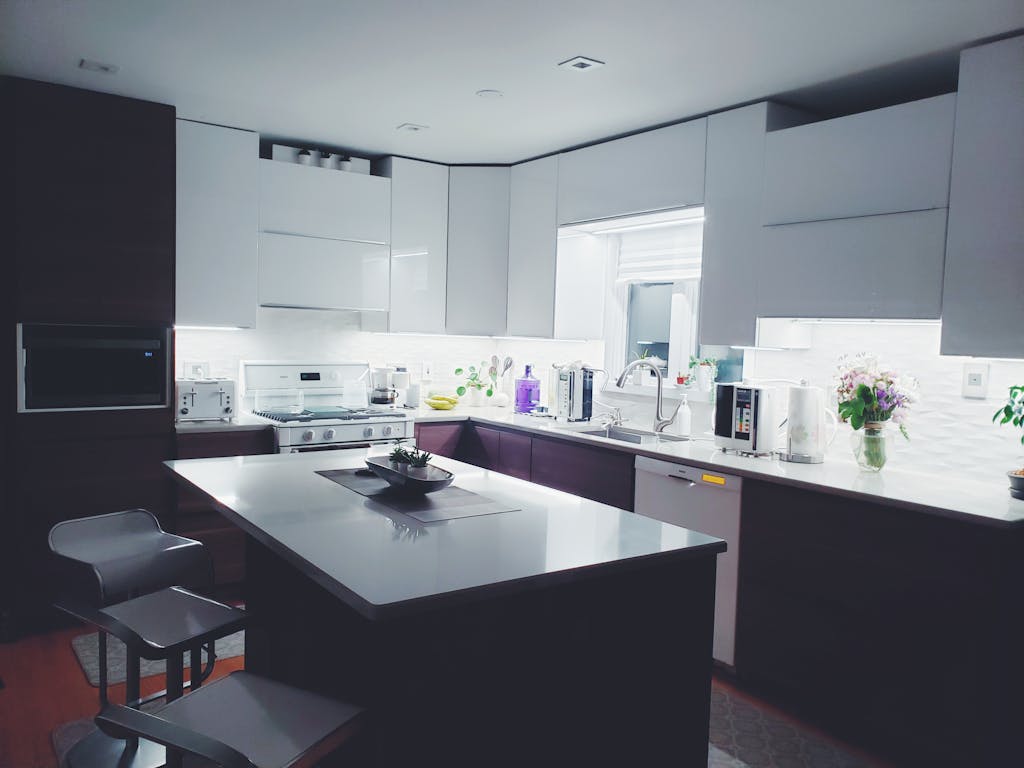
{"points": [[442, 402]]}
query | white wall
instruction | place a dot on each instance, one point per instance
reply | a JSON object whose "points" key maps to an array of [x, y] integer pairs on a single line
{"points": [[947, 431], [311, 336]]}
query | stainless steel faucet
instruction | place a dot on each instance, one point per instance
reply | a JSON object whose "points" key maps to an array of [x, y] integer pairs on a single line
{"points": [[660, 422]]}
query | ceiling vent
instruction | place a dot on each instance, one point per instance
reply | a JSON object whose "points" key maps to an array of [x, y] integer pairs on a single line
{"points": [[411, 127], [581, 63], [97, 66]]}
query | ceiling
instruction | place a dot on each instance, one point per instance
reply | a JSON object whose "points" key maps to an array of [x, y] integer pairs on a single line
{"points": [[345, 73]]}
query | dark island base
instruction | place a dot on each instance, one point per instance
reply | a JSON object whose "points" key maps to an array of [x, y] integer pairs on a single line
{"points": [[609, 670]]}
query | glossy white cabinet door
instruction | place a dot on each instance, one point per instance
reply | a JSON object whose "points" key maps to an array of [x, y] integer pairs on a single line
{"points": [[478, 203], [884, 161], [217, 226], [532, 237], [319, 202], [983, 294], [871, 267], [581, 288], [732, 226], [419, 244], [650, 171], [318, 273]]}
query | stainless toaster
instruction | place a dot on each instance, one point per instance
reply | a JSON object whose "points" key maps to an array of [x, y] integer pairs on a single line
{"points": [[204, 399]]}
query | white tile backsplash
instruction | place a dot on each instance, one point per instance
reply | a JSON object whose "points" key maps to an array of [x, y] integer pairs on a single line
{"points": [[311, 336], [947, 431]]}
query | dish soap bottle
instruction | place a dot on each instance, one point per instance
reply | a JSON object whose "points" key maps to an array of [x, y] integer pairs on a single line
{"points": [[527, 391], [684, 419]]}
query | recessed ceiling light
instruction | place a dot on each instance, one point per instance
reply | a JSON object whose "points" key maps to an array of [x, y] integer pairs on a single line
{"points": [[411, 127], [97, 66], [581, 63], [489, 93]]}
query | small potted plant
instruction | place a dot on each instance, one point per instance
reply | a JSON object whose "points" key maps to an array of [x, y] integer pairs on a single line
{"points": [[706, 370], [868, 398], [418, 461], [1012, 412], [480, 383], [399, 457]]}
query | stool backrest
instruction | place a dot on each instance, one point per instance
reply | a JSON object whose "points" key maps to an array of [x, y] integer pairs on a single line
{"points": [[121, 554]]}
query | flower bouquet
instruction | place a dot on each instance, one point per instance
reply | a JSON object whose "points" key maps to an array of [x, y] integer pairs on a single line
{"points": [[868, 397]]}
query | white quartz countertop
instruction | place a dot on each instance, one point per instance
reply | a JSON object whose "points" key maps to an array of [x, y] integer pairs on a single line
{"points": [[983, 499], [384, 563], [241, 423]]}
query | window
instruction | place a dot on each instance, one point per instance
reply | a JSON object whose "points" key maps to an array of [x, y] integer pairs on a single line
{"points": [[652, 301]]}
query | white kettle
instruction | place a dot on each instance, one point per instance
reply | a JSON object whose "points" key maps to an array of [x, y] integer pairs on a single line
{"points": [[805, 440]]}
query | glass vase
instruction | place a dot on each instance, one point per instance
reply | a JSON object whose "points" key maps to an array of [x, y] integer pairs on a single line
{"points": [[871, 446]]}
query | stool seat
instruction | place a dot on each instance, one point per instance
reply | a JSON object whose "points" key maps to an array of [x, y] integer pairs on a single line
{"points": [[173, 620], [244, 719]]}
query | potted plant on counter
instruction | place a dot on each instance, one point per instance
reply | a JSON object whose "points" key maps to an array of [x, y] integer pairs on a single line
{"points": [[1012, 412], [480, 383], [869, 398]]}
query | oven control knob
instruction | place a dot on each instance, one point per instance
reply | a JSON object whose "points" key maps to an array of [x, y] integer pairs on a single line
{"points": [[368, 432], [308, 436], [329, 434], [388, 431]]}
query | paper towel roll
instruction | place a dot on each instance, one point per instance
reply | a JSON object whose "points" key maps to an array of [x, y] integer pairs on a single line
{"points": [[806, 434]]}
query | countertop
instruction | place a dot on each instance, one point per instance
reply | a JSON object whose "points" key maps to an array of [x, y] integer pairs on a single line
{"points": [[241, 423], [982, 499], [383, 563]]}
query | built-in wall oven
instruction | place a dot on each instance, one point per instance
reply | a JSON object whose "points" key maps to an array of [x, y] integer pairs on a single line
{"points": [[93, 367]]}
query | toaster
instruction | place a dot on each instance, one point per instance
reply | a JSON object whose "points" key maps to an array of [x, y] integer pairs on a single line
{"points": [[204, 399]]}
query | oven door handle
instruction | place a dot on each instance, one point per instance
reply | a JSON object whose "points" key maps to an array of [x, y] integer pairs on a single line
{"points": [[347, 446]]}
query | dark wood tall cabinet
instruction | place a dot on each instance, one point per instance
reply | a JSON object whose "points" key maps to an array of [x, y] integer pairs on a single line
{"points": [[89, 223]]}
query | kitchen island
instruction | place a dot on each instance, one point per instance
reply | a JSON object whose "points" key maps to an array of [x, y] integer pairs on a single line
{"points": [[561, 632]]}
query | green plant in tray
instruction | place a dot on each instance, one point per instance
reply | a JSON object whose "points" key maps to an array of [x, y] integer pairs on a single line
{"points": [[418, 458]]}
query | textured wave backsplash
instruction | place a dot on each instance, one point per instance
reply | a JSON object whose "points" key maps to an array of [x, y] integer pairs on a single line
{"points": [[948, 432]]}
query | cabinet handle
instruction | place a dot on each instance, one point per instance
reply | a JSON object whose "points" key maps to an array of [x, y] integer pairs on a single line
{"points": [[684, 479]]}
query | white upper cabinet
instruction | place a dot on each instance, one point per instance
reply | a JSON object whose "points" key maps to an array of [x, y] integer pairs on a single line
{"points": [[581, 286], [650, 171], [217, 225], [419, 244], [478, 205], [532, 243], [983, 294], [319, 273], [319, 202], [884, 161], [871, 267]]}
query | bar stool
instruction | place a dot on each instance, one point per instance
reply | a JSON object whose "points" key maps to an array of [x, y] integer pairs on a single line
{"points": [[243, 721], [108, 558]]}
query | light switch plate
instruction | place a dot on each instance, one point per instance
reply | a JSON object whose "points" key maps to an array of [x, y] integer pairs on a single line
{"points": [[428, 370], [975, 381]]}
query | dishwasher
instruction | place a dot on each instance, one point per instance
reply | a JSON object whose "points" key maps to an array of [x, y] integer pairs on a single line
{"points": [[706, 501]]}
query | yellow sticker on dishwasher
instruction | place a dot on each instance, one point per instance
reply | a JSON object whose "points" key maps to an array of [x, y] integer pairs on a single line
{"points": [[715, 479]]}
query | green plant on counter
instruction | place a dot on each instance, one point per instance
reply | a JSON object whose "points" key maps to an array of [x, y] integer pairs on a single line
{"points": [[1013, 413], [697, 361], [484, 379], [399, 455], [418, 458]]}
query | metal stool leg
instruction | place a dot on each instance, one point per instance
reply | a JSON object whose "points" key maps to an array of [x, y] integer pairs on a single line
{"points": [[103, 667], [175, 676], [195, 675]]}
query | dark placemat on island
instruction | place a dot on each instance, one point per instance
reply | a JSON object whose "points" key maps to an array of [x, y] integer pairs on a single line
{"points": [[447, 504]]}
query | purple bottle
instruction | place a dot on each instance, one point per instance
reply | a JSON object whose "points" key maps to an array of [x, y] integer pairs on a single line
{"points": [[527, 391]]}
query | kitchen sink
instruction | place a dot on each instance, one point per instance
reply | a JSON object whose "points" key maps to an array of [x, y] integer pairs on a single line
{"points": [[631, 435]]}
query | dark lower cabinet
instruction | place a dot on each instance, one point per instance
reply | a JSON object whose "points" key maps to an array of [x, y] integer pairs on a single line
{"points": [[898, 629], [196, 519], [441, 439], [594, 473]]}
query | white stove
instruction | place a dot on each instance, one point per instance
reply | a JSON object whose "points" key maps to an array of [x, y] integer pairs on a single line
{"points": [[321, 406]]}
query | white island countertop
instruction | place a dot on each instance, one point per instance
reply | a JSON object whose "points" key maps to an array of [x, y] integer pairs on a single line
{"points": [[984, 500], [383, 563]]}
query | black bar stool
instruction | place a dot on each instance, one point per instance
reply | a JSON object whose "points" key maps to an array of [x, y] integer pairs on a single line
{"points": [[109, 558], [243, 721]]}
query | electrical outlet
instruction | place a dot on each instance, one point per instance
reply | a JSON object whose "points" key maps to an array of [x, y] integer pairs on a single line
{"points": [[428, 370], [975, 381]]}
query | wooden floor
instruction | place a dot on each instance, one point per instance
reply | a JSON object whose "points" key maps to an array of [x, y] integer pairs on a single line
{"points": [[44, 686]]}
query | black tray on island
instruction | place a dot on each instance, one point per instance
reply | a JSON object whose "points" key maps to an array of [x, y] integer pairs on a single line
{"points": [[410, 479]]}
